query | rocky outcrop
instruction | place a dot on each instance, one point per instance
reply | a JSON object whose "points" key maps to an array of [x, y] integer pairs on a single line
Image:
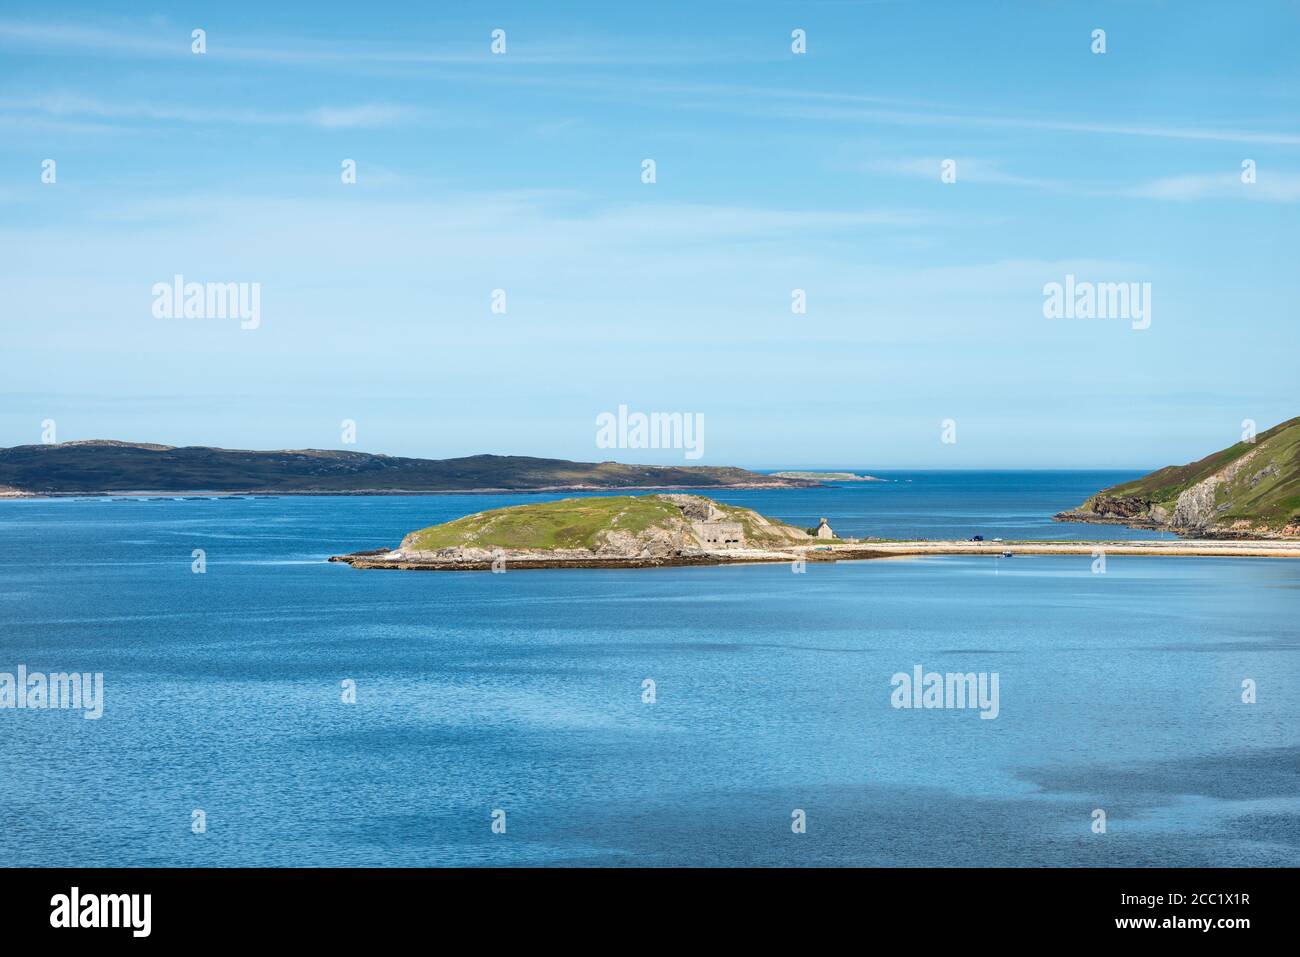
{"points": [[1196, 509], [1118, 510]]}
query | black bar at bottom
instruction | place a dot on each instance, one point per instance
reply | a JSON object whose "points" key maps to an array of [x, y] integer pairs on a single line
{"points": [[374, 905]]}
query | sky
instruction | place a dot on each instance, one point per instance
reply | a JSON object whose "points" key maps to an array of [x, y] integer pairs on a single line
{"points": [[774, 171]]}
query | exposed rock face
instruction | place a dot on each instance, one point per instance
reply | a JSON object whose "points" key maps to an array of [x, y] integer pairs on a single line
{"points": [[1105, 506], [695, 507], [1268, 471], [1195, 509], [1118, 510]]}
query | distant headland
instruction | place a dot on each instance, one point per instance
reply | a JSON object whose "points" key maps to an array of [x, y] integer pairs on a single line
{"points": [[98, 467]]}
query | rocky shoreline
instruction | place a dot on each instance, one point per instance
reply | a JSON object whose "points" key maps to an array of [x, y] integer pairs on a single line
{"points": [[1134, 513], [503, 560]]}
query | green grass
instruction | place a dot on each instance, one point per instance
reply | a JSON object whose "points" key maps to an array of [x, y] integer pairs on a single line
{"points": [[578, 522], [1273, 499], [567, 523]]}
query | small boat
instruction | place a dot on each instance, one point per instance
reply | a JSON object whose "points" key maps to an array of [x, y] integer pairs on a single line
{"points": [[1007, 554]]}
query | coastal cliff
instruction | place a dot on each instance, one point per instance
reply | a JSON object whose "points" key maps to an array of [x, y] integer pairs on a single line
{"points": [[1249, 490]]}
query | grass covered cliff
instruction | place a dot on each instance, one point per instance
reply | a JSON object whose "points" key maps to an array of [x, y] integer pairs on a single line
{"points": [[1247, 489]]}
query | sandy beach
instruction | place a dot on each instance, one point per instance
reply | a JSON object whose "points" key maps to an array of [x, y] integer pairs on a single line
{"points": [[1227, 548]]}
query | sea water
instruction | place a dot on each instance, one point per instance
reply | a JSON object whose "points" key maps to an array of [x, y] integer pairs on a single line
{"points": [[653, 716]]}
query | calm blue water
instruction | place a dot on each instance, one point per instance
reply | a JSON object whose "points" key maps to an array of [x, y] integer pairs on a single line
{"points": [[523, 692]]}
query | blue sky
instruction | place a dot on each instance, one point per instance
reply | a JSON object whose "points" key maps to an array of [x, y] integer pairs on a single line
{"points": [[774, 171]]}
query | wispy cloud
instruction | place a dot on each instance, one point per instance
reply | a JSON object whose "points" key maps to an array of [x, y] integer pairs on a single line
{"points": [[993, 121], [326, 117], [1272, 186], [969, 170], [150, 40], [368, 115], [153, 41], [1276, 187]]}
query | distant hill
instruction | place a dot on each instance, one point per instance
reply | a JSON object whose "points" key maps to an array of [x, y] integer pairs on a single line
{"points": [[1248, 489], [101, 466]]}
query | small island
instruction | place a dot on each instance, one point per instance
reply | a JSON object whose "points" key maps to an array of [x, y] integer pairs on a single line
{"points": [[827, 477], [617, 531]]}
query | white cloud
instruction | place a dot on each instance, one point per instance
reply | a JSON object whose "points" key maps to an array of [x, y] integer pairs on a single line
{"points": [[1283, 187], [371, 114], [1279, 187], [991, 121], [157, 41], [969, 170], [67, 105]]}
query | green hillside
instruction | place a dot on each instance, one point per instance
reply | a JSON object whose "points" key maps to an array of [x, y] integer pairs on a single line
{"points": [[591, 522], [568, 523], [1247, 486]]}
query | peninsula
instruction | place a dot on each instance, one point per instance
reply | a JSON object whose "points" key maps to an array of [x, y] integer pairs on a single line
{"points": [[623, 531], [99, 467], [1249, 490]]}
